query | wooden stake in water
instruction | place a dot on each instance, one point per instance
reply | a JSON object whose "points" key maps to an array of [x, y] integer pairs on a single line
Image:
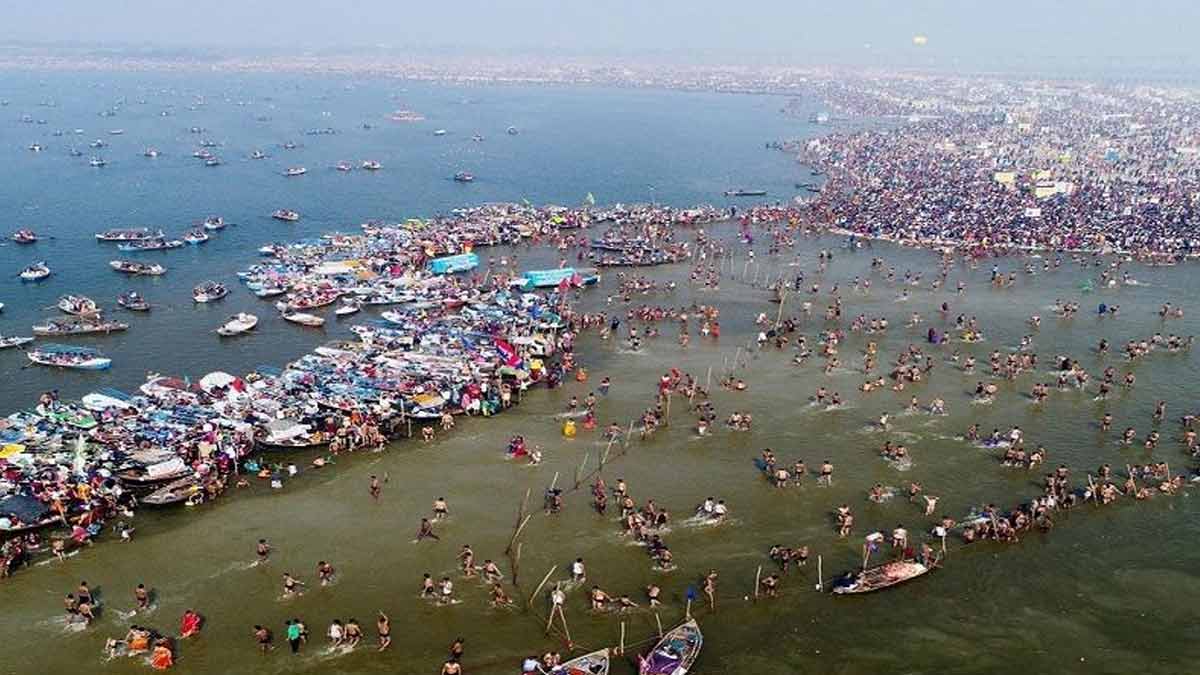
{"points": [[756, 581], [621, 646], [546, 578], [516, 566], [658, 621], [820, 576], [579, 471]]}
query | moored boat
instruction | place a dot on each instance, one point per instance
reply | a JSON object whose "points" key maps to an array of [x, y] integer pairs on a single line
{"points": [[237, 324], [66, 356], [675, 653], [347, 308], [880, 577], [740, 192], [209, 291], [179, 490], [595, 663]]}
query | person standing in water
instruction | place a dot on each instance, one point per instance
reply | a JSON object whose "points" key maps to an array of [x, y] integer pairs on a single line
{"points": [[383, 626]]}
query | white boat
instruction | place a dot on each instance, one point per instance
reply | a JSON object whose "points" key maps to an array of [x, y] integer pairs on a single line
{"points": [[150, 152], [214, 223], [348, 308], [209, 291], [595, 663], [270, 291], [78, 305], [62, 356], [344, 166], [14, 341], [439, 132], [195, 236], [97, 162], [303, 319], [286, 215], [237, 324], [129, 234], [35, 272], [372, 165], [258, 154], [295, 171], [137, 268]]}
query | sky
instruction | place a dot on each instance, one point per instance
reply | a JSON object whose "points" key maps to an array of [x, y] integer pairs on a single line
{"points": [[1045, 33]]}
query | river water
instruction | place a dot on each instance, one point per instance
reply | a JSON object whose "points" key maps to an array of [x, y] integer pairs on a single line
{"points": [[1108, 590]]}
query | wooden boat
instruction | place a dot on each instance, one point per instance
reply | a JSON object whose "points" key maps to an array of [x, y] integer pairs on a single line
{"points": [[144, 475], [129, 234], [238, 324], [150, 245], [78, 305], [286, 434], [83, 326], [214, 223], [64, 356], [595, 663], [196, 236], [303, 319], [172, 493], [675, 652], [880, 577]]}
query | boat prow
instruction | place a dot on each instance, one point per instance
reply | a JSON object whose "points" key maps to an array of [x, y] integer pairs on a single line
{"points": [[880, 577], [675, 652]]}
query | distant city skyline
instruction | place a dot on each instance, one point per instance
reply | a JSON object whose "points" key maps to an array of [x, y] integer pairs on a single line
{"points": [[1032, 35]]}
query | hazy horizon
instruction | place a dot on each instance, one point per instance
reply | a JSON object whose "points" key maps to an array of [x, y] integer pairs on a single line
{"points": [[1038, 35]]}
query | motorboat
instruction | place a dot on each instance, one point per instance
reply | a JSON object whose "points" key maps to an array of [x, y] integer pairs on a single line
{"points": [[87, 325], [135, 268], [372, 165], [237, 324], [439, 132], [129, 234], [464, 177], [78, 305], [286, 215], [133, 301], [212, 161], [7, 342], [295, 171], [25, 237], [344, 166], [150, 245], [35, 272], [150, 152], [209, 291], [97, 162], [214, 223], [195, 236], [347, 308], [66, 356], [258, 154], [310, 320]]}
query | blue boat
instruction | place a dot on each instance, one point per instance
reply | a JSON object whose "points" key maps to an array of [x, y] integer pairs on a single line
{"points": [[551, 278], [454, 263]]}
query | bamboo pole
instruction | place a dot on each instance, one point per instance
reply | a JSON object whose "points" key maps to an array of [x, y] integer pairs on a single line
{"points": [[554, 483], [517, 533], [820, 576], [562, 616], [539, 586], [516, 566], [667, 422], [629, 434], [621, 646], [708, 380], [687, 611], [757, 581], [550, 619], [658, 621], [579, 471]]}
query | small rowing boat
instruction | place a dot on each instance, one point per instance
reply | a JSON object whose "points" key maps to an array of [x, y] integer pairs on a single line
{"points": [[595, 663], [286, 215], [25, 237], [65, 356], [880, 577], [35, 272], [303, 319], [237, 324], [675, 652], [295, 171], [172, 493], [209, 291]]}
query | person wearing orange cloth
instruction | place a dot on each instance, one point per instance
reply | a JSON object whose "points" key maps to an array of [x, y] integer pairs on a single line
{"points": [[162, 658]]}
